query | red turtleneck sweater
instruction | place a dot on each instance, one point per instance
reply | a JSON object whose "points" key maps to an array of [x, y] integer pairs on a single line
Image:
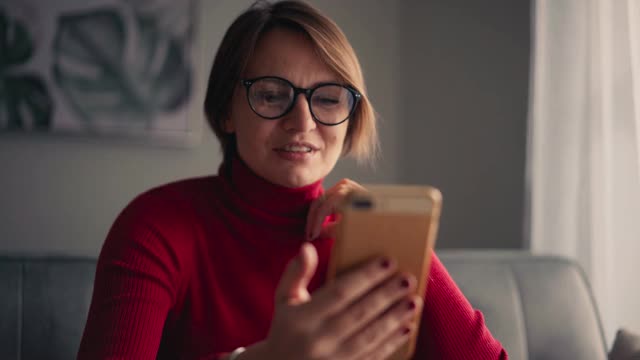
{"points": [[189, 271]]}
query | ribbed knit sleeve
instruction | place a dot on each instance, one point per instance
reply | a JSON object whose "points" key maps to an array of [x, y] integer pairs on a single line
{"points": [[450, 328], [139, 276]]}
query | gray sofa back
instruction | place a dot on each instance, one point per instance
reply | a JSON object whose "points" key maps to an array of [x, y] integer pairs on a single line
{"points": [[538, 307], [43, 306]]}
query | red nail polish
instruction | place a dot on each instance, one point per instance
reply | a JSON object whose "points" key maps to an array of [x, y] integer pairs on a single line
{"points": [[385, 263], [404, 283], [405, 331], [411, 305]]}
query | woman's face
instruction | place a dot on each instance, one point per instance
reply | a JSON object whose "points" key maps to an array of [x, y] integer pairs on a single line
{"points": [[278, 150]]}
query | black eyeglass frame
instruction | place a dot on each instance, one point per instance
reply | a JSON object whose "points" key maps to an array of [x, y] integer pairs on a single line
{"points": [[307, 94]]}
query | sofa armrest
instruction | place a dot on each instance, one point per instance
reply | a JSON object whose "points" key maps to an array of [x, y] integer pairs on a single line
{"points": [[539, 307]]}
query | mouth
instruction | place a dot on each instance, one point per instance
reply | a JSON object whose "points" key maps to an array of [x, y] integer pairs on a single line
{"points": [[298, 148]]}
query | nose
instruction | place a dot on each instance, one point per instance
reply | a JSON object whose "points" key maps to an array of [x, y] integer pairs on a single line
{"points": [[299, 119]]}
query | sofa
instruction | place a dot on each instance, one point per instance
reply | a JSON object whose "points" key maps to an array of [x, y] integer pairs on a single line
{"points": [[539, 307]]}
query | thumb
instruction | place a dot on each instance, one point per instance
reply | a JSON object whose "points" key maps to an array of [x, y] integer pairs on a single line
{"points": [[330, 230], [292, 289]]}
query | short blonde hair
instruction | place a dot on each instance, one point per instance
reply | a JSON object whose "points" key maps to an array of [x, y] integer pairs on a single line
{"points": [[332, 47]]}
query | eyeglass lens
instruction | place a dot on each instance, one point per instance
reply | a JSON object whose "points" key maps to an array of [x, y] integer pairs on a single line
{"points": [[272, 98]]}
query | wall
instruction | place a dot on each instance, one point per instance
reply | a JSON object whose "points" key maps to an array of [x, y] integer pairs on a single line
{"points": [[464, 114], [448, 81]]}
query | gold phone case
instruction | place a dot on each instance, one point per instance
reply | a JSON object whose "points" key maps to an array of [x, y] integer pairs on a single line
{"points": [[396, 221]]}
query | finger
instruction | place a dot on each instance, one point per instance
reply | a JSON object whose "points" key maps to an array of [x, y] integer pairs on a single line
{"points": [[326, 208], [315, 219], [292, 288], [372, 306], [331, 204], [354, 185], [395, 341], [311, 215], [330, 230], [347, 288], [373, 340]]}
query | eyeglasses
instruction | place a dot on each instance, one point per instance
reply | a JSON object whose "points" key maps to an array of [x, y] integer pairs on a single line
{"points": [[272, 97]]}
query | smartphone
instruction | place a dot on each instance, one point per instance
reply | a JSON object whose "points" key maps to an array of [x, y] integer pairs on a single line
{"points": [[400, 222]]}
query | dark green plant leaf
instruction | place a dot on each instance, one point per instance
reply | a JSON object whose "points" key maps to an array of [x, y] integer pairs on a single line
{"points": [[101, 77], [16, 46], [24, 103]]}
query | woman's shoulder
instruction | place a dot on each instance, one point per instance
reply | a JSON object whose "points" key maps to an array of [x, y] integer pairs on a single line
{"points": [[171, 205], [163, 217], [182, 189], [184, 193]]}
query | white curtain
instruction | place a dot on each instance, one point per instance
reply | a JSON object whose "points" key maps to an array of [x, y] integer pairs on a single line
{"points": [[584, 146]]}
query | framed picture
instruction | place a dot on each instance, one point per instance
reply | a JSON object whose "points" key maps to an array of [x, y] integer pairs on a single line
{"points": [[118, 68]]}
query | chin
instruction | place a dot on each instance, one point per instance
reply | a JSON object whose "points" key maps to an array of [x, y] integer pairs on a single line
{"points": [[296, 180]]}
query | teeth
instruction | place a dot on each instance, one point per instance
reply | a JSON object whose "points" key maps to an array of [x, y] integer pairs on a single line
{"points": [[296, 148]]}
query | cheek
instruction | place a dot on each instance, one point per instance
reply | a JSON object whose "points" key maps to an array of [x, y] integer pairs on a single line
{"points": [[254, 134], [247, 127], [336, 139]]}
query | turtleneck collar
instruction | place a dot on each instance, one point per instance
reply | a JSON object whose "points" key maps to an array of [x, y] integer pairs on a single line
{"points": [[266, 196]]}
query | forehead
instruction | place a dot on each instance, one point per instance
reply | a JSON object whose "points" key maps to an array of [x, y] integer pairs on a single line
{"points": [[291, 55]]}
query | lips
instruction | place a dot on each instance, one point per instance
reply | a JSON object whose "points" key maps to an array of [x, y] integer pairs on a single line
{"points": [[298, 147]]}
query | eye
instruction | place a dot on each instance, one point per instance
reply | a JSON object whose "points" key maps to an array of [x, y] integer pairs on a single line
{"points": [[326, 101], [271, 97], [330, 96]]}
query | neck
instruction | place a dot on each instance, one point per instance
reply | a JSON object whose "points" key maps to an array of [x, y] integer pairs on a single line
{"points": [[266, 196]]}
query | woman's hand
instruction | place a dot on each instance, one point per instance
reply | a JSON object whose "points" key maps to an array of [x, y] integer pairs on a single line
{"points": [[364, 314], [327, 205]]}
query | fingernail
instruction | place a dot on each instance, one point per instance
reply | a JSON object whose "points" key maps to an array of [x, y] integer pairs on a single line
{"points": [[385, 263], [406, 330], [411, 305], [404, 283]]}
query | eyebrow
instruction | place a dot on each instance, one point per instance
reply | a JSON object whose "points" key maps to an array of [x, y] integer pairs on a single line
{"points": [[317, 83]]}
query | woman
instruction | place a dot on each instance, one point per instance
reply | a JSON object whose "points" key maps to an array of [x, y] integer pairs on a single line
{"points": [[232, 266]]}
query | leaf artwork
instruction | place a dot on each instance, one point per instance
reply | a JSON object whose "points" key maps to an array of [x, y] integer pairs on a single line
{"points": [[107, 70], [170, 17], [24, 100]]}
